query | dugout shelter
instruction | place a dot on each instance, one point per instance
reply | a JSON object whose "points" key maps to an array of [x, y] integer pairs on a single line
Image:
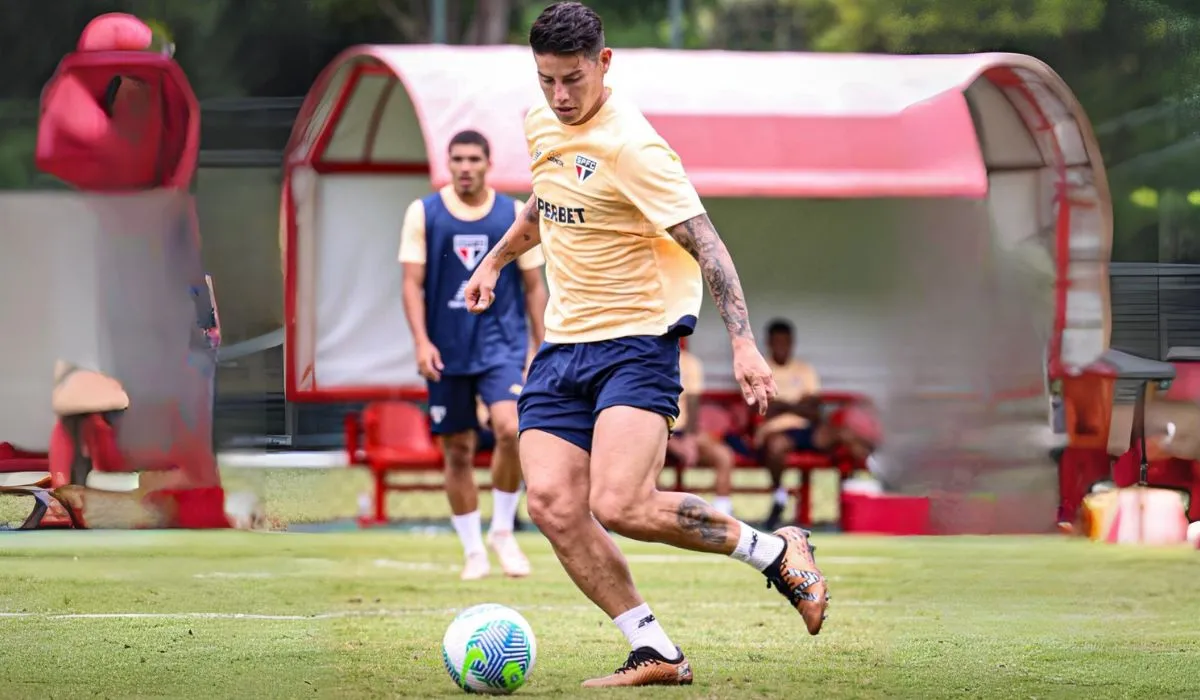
{"points": [[938, 228]]}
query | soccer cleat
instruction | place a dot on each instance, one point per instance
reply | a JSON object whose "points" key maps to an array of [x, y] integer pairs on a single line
{"points": [[796, 576], [513, 561], [476, 567], [645, 666]]}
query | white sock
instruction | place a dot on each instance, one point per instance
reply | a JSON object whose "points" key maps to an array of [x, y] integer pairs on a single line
{"points": [[723, 504], [641, 628], [504, 510], [758, 549], [781, 496], [470, 532]]}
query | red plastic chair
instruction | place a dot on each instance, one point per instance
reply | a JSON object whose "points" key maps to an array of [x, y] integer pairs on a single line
{"points": [[395, 436]]}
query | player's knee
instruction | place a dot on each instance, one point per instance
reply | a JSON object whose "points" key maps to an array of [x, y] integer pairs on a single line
{"points": [[554, 513], [458, 451], [616, 511], [505, 430], [776, 447]]}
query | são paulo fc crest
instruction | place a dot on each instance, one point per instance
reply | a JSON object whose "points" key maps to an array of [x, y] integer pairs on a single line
{"points": [[584, 168], [470, 249]]}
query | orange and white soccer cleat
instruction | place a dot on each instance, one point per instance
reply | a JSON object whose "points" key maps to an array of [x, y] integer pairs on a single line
{"points": [[513, 561], [476, 567], [645, 666], [796, 576]]}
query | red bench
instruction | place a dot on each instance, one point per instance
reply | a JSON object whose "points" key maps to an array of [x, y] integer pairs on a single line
{"points": [[394, 437], [725, 412]]}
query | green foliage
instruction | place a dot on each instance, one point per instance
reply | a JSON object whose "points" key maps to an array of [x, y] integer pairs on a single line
{"points": [[941, 26]]}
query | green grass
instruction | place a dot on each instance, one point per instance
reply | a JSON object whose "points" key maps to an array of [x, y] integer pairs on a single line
{"points": [[361, 615]]}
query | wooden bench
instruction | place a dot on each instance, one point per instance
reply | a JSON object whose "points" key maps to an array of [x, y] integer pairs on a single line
{"points": [[394, 437]]}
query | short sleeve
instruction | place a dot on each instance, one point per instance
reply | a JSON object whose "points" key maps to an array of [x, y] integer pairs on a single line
{"points": [[650, 175], [533, 258], [412, 234]]}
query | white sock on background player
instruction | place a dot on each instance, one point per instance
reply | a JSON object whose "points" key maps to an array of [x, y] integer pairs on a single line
{"points": [[781, 496], [758, 549], [504, 510], [641, 628], [470, 532], [723, 505]]}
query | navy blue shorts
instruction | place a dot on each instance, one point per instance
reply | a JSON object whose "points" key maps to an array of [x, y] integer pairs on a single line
{"points": [[802, 438], [570, 384], [452, 407]]}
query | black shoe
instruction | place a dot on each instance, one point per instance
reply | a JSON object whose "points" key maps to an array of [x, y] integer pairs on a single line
{"points": [[775, 517]]}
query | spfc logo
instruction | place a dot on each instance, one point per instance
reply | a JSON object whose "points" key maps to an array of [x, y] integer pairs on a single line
{"points": [[584, 168], [470, 249]]}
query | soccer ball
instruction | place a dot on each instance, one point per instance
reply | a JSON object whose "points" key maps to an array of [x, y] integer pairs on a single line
{"points": [[489, 649]]}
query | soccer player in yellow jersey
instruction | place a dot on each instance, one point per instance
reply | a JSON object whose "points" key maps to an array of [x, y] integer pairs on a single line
{"points": [[628, 246]]}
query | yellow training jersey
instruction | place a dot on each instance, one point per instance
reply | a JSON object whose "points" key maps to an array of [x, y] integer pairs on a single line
{"points": [[606, 192], [691, 376], [793, 381]]}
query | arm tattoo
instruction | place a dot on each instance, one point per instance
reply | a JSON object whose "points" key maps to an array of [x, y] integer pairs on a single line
{"points": [[503, 252], [696, 517], [699, 238]]}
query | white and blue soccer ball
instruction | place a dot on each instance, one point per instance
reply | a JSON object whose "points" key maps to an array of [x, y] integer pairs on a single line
{"points": [[489, 649]]}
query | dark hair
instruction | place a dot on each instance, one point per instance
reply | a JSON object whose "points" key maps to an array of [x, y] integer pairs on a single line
{"points": [[470, 137], [567, 28], [779, 325]]}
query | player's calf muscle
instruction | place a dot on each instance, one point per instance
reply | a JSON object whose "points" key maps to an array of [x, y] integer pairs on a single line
{"points": [[625, 498]]}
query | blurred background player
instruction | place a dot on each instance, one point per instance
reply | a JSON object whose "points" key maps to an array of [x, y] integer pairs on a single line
{"points": [[628, 249], [690, 445], [466, 358], [788, 425]]}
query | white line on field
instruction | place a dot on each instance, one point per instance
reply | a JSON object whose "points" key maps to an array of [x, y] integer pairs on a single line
{"points": [[400, 613]]}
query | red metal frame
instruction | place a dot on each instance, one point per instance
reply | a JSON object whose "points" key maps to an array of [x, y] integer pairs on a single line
{"points": [[347, 167], [376, 117], [1007, 78]]}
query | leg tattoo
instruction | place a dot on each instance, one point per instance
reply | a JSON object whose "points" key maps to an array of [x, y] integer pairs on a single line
{"points": [[698, 518]]}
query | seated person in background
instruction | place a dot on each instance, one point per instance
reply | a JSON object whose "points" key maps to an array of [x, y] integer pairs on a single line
{"points": [[788, 423], [688, 444]]}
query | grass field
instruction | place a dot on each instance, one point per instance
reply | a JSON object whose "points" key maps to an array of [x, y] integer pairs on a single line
{"points": [[360, 615]]}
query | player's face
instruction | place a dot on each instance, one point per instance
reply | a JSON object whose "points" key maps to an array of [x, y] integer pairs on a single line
{"points": [[574, 84], [780, 345], [468, 167]]}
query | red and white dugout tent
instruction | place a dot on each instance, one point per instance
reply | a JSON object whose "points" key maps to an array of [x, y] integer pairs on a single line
{"points": [[927, 222]]}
